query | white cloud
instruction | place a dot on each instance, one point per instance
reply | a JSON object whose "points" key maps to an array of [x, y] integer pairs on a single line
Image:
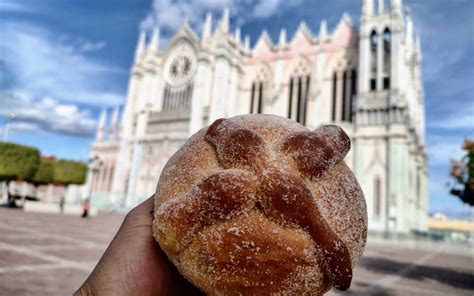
{"points": [[441, 151], [170, 15], [268, 8], [440, 198], [445, 39], [24, 127], [41, 63], [92, 46], [12, 6], [456, 114], [439, 182], [46, 114], [444, 59], [455, 122]]}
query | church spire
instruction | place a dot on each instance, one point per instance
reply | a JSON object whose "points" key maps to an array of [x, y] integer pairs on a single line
{"points": [[409, 35], [225, 22], [397, 6], [207, 29], [323, 31], [153, 46], [265, 38], [100, 134], [282, 40], [237, 35], [346, 18], [368, 8], [140, 45], [381, 6], [247, 43], [418, 47], [114, 125], [303, 27]]}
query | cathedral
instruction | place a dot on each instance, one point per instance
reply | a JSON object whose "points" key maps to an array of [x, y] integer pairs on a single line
{"points": [[366, 80]]}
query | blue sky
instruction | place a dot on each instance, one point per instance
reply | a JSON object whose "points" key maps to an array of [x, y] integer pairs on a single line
{"points": [[61, 62]]}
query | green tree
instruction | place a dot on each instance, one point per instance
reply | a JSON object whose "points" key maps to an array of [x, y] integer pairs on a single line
{"points": [[17, 162], [68, 172], [463, 173], [45, 173]]}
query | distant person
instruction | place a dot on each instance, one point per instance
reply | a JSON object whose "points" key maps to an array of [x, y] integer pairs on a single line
{"points": [[11, 201], [61, 204], [85, 208]]}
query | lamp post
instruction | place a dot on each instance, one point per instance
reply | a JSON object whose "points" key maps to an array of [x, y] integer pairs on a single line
{"points": [[7, 126]]}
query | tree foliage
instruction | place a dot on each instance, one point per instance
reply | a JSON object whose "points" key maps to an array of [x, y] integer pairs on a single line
{"points": [[18, 162], [463, 173], [45, 172], [69, 172]]}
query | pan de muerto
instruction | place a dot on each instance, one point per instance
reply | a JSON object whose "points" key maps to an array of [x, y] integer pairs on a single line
{"points": [[260, 205]]}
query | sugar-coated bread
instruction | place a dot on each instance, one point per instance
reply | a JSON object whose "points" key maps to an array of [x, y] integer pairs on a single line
{"points": [[260, 205]]}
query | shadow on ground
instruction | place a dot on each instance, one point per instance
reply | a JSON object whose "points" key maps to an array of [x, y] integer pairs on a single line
{"points": [[446, 276], [361, 288]]}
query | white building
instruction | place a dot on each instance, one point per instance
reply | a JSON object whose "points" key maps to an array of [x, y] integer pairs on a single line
{"points": [[367, 80]]}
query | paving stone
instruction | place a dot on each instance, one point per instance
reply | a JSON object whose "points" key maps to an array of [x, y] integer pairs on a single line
{"points": [[59, 281], [78, 254], [11, 258], [32, 247], [33, 241]]}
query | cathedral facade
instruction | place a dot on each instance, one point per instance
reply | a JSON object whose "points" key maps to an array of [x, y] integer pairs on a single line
{"points": [[366, 79]]}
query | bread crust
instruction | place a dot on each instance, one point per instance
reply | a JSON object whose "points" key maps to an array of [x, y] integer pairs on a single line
{"points": [[260, 205]]}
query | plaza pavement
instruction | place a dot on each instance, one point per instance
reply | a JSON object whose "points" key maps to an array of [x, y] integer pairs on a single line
{"points": [[42, 254]]}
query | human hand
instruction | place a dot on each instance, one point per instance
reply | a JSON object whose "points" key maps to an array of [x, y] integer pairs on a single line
{"points": [[134, 264]]}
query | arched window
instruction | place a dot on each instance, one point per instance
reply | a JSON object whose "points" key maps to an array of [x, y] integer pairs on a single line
{"points": [[252, 97], [334, 96], [344, 109], [257, 93], [256, 98], [177, 98], [388, 5], [298, 98], [377, 197], [373, 41], [382, 6], [373, 61], [353, 92], [387, 43], [290, 98], [303, 87], [349, 82], [299, 87]]}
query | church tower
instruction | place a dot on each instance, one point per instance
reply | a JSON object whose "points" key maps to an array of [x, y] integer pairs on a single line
{"points": [[367, 80], [388, 137]]}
